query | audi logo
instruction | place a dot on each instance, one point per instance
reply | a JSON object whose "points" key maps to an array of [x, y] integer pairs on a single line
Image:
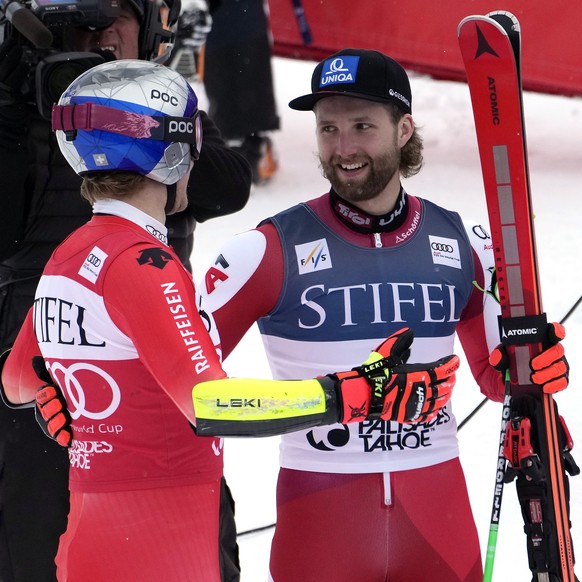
{"points": [[480, 231], [157, 233], [93, 260], [441, 247]]}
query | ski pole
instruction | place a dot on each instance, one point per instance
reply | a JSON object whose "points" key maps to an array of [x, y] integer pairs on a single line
{"points": [[498, 490]]}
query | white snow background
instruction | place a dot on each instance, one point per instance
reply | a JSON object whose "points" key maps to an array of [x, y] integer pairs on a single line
{"points": [[452, 178]]}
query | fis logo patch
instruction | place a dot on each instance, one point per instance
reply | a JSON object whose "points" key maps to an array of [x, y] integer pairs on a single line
{"points": [[445, 251], [313, 256], [92, 265]]}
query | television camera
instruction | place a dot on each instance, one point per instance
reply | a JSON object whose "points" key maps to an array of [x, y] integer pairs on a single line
{"points": [[39, 26]]}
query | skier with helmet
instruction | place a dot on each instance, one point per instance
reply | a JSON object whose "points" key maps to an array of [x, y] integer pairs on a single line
{"points": [[39, 207]]}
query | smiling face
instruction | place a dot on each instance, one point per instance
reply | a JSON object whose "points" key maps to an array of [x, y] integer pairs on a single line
{"points": [[359, 150], [121, 37]]}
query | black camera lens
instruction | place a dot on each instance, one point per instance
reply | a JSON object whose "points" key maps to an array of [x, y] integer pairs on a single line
{"points": [[56, 72], [60, 77]]}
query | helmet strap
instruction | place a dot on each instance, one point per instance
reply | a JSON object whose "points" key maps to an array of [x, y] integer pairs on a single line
{"points": [[171, 199]]}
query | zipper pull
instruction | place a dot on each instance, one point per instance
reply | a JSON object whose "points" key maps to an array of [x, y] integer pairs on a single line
{"points": [[377, 240]]}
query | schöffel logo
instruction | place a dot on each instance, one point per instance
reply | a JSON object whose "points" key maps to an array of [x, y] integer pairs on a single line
{"points": [[445, 251], [313, 256], [92, 265], [339, 70]]}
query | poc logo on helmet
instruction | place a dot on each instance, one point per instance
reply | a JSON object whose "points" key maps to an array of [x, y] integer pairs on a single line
{"points": [[165, 97], [181, 127]]}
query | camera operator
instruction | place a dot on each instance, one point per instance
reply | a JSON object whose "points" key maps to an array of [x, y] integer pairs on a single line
{"points": [[40, 206]]}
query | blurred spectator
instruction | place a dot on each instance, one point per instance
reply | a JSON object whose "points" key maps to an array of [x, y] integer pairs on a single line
{"points": [[235, 66]]}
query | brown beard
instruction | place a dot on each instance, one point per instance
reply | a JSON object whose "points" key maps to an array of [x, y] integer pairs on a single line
{"points": [[382, 170]]}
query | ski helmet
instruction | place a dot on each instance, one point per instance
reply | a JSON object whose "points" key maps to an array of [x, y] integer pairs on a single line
{"points": [[129, 115]]}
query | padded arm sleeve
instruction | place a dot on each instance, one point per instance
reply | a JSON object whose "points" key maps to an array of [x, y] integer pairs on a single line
{"points": [[245, 407]]}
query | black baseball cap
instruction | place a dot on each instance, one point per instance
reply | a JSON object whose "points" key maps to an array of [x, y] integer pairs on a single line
{"points": [[365, 74]]}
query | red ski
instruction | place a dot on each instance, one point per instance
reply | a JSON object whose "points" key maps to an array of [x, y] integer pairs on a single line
{"points": [[490, 46]]}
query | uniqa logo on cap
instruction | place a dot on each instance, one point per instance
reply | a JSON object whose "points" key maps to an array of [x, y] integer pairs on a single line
{"points": [[339, 70]]}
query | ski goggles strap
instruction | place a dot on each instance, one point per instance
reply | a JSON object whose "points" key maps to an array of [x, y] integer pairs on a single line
{"points": [[90, 116]]}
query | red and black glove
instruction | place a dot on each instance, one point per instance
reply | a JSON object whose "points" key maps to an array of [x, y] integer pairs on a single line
{"points": [[549, 369], [51, 407], [386, 387]]}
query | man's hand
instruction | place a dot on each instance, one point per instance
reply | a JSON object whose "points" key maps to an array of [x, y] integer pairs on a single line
{"points": [[386, 387], [51, 408], [549, 369]]}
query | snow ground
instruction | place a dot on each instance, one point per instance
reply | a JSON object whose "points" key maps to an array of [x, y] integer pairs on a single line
{"points": [[452, 178]]}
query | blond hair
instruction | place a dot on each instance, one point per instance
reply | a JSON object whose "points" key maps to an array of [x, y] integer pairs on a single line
{"points": [[117, 185]]}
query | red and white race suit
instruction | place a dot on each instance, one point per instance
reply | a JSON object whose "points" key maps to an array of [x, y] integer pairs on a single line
{"points": [[326, 290], [116, 321]]}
